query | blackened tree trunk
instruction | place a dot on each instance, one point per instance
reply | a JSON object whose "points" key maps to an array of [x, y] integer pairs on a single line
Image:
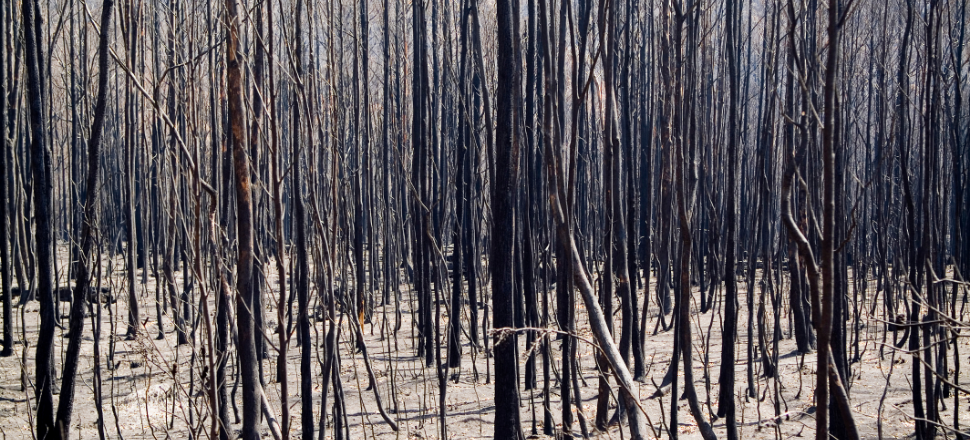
{"points": [[176, 126], [130, 213], [799, 296], [726, 404], [507, 422], [224, 290], [252, 390], [361, 156], [927, 261], [419, 178], [5, 249], [629, 229], [255, 134], [82, 287], [44, 240], [277, 200], [457, 259], [684, 184], [827, 374], [302, 269]]}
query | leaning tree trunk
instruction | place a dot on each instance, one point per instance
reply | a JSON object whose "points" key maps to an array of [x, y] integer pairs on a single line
{"points": [[82, 289]]}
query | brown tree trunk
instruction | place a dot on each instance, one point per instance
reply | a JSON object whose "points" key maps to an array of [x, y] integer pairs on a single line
{"points": [[252, 391]]}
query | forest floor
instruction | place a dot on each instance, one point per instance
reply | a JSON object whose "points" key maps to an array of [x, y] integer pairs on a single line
{"points": [[155, 389]]}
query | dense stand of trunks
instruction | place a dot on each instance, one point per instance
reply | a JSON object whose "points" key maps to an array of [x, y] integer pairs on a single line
{"points": [[479, 163]]}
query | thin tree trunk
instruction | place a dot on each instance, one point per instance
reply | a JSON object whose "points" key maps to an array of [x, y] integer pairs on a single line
{"points": [[130, 213], [6, 253], [82, 290]]}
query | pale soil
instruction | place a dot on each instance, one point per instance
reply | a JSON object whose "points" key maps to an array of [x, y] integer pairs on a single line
{"points": [[150, 403]]}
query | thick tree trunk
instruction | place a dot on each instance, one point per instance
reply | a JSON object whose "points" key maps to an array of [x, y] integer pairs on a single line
{"points": [[507, 422], [726, 405], [301, 275], [252, 391], [44, 239]]}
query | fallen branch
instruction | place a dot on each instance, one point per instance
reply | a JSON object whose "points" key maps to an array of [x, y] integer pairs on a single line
{"points": [[370, 373], [274, 426]]}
